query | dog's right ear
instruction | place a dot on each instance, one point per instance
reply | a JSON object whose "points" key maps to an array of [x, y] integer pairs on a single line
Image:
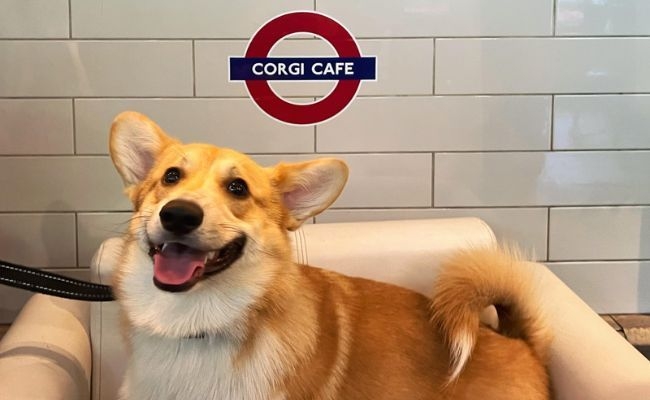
{"points": [[135, 142]]}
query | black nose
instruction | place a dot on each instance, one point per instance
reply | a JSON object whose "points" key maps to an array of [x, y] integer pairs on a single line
{"points": [[181, 216]]}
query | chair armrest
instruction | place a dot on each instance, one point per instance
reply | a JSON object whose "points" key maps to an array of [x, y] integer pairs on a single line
{"points": [[405, 253], [46, 352], [588, 360]]}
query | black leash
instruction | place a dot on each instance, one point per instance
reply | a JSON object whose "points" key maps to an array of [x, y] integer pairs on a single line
{"points": [[36, 280]]}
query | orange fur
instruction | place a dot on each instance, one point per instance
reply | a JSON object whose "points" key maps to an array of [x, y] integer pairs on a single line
{"points": [[308, 333]]}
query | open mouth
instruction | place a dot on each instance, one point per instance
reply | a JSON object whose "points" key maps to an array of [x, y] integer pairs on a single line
{"points": [[178, 267]]}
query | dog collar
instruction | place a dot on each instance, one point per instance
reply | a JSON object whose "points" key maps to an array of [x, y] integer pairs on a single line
{"points": [[201, 335]]}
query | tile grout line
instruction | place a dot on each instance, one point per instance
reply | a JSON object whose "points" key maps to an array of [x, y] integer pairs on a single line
{"points": [[360, 38], [315, 129], [193, 69], [76, 238], [597, 260], [69, 19], [308, 96], [74, 128], [554, 20], [552, 144], [362, 153], [548, 234], [433, 73], [433, 180], [376, 208], [491, 207]]}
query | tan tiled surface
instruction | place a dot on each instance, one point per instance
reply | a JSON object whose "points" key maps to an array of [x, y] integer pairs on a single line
{"points": [[610, 320], [3, 330], [635, 328]]}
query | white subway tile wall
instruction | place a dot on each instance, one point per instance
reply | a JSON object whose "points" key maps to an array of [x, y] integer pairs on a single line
{"points": [[34, 19], [235, 123], [542, 65], [601, 122], [602, 18], [440, 123], [599, 233], [93, 228], [156, 19], [72, 68], [36, 126], [616, 287], [542, 178], [39, 239], [441, 18], [60, 183], [530, 114], [525, 227]]}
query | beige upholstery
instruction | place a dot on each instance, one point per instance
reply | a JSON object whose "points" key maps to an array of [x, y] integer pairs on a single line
{"points": [[589, 360], [46, 353]]}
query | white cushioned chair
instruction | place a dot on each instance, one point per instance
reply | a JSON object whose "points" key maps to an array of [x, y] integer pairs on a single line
{"points": [[62, 349]]}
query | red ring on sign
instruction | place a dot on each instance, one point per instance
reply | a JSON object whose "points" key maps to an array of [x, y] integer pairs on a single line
{"points": [[302, 114]]}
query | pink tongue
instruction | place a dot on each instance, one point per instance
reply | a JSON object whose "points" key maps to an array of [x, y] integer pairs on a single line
{"points": [[177, 264]]}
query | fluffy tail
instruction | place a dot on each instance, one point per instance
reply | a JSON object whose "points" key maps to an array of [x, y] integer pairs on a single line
{"points": [[475, 279]]}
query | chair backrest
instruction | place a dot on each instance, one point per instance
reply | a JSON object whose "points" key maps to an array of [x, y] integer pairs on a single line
{"points": [[406, 253]]}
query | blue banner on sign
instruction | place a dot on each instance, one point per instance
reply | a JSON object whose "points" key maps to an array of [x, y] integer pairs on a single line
{"points": [[302, 68]]}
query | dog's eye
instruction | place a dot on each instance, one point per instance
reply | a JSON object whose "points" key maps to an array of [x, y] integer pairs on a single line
{"points": [[238, 187], [172, 175]]}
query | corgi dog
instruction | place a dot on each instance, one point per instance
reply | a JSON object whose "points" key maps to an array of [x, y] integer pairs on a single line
{"points": [[214, 307]]}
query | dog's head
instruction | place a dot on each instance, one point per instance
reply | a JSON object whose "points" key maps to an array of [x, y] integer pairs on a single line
{"points": [[208, 233]]}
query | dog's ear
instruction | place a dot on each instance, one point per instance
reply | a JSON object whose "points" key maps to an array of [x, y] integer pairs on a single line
{"points": [[309, 187], [135, 142]]}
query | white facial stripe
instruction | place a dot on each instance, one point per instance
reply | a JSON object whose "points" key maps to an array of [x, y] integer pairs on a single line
{"points": [[461, 350]]}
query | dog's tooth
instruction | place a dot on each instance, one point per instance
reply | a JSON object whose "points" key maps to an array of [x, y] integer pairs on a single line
{"points": [[162, 248]]}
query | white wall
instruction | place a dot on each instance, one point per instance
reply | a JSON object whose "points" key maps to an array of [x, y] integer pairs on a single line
{"points": [[531, 114]]}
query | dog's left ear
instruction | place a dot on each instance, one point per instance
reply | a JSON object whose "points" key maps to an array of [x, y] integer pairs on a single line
{"points": [[309, 187]]}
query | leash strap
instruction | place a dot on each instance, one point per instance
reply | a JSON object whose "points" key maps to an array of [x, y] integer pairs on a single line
{"points": [[36, 280]]}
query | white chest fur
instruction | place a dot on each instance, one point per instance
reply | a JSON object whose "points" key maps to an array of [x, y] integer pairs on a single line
{"points": [[208, 368]]}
